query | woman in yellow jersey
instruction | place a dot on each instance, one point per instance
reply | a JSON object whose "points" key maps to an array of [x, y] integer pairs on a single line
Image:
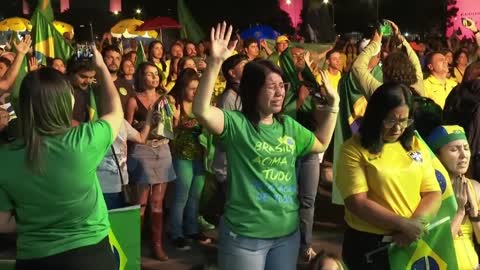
{"points": [[388, 186], [156, 55], [451, 147]]}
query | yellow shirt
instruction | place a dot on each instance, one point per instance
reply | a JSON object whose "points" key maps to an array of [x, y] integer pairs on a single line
{"points": [[458, 75], [467, 258], [334, 79], [438, 91], [394, 178]]}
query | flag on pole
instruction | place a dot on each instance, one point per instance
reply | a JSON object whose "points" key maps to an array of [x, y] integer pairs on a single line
{"points": [[190, 28], [140, 55], [48, 42], [434, 250]]}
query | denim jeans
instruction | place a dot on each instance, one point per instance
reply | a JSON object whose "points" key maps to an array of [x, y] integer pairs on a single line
{"points": [[237, 252], [187, 191], [308, 175]]}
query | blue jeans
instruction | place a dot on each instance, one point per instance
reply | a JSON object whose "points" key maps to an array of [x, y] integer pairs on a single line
{"points": [[114, 200], [237, 252], [308, 175], [187, 191]]}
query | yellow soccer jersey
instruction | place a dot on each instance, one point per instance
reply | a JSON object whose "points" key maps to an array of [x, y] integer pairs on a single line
{"points": [[393, 178]]}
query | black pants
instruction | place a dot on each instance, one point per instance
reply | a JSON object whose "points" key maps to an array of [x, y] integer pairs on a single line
{"points": [[356, 244], [98, 257]]}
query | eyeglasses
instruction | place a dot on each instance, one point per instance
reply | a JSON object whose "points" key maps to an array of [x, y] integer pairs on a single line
{"points": [[404, 123], [273, 86]]}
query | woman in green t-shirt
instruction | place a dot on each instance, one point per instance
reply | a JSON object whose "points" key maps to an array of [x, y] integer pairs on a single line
{"points": [[259, 229], [49, 178]]}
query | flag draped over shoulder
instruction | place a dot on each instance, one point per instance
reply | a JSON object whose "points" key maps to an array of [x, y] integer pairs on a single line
{"points": [[190, 28], [434, 250], [47, 41], [353, 104], [140, 55], [291, 75]]}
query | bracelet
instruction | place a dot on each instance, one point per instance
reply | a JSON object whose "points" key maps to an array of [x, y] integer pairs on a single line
{"points": [[474, 219], [326, 108]]}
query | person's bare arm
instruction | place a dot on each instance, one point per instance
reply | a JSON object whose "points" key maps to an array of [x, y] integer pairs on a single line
{"points": [[112, 111], [207, 115], [326, 117], [10, 76]]}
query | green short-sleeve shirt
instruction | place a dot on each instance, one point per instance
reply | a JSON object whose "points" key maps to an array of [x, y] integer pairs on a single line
{"points": [[262, 192], [63, 208]]}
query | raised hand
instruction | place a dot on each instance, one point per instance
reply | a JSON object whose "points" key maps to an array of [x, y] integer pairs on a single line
{"points": [[308, 60], [331, 94], [33, 63], [395, 28], [23, 46], [97, 57], [219, 39]]}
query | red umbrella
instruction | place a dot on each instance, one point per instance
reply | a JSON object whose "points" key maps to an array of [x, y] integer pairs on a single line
{"points": [[159, 23]]}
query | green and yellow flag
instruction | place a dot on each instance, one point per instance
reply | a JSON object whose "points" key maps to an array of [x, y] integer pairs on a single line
{"points": [[433, 251], [436, 248], [190, 28], [125, 237], [47, 41]]}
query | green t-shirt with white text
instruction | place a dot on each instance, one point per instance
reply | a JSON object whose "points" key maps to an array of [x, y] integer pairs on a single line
{"points": [[262, 186], [63, 208]]}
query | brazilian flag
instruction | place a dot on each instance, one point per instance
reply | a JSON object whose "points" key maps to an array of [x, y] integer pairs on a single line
{"points": [[434, 251], [47, 41], [125, 237]]}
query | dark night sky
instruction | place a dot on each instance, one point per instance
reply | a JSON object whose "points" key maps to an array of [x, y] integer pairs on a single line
{"points": [[411, 15]]}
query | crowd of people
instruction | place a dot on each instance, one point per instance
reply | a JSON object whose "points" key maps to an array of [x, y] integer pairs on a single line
{"points": [[256, 123]]}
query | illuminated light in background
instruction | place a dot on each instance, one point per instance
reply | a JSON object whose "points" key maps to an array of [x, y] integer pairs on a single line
{"points": [[292, 8]]}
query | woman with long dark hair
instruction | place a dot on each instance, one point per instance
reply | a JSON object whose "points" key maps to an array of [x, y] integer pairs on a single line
{"points": [[386, 179], [156, 55], [49, 179], [260, 227], [150, 164], [188, 155]]}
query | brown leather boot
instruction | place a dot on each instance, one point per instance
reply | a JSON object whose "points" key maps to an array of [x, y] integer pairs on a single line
{"points": [[157, 236]]}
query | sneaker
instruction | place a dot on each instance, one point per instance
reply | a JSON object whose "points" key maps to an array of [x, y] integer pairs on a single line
{"points": [[200, 238], [206, 226], [309, 254], [181, 244]]}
